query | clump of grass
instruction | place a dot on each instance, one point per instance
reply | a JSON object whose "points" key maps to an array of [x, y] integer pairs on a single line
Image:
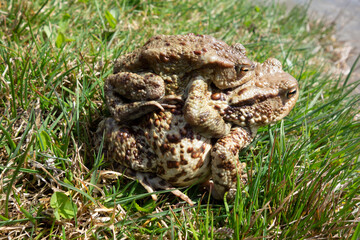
{"points": [[303, 172]]}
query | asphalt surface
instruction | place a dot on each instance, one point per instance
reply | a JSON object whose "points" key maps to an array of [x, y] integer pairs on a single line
{"points": [[346, 16]]}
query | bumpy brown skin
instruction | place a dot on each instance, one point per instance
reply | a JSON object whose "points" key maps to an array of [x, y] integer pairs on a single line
{"points": [[164, 150], [267, 99], [165, 66]]}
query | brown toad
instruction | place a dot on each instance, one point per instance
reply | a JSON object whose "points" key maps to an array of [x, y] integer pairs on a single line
{"points": [[163, 151], [151, 76]]}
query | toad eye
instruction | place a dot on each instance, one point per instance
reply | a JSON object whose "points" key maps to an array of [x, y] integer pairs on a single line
{"points": [[291, 93], [243, 68]]}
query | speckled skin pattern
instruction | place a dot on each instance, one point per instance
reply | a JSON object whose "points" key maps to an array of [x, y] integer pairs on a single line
{"points": [[164, 150], [149, 77]]}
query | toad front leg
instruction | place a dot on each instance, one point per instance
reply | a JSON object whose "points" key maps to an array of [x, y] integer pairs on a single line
{"points": [[225, 162], [200, 115]]}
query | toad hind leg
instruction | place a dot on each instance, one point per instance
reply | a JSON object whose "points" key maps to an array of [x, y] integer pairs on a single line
{"points": [[151, 182], [132, 95], [135, 157], [226, 166]]}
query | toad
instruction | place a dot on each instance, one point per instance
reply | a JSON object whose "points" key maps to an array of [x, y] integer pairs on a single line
{"points": [[163, 151], [162, 70]]}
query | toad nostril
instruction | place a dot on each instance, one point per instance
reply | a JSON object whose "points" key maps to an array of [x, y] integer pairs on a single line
{"points": [[215, 96]]}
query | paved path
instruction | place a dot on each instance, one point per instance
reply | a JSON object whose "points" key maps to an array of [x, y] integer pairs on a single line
{"points": [[346, 16]]}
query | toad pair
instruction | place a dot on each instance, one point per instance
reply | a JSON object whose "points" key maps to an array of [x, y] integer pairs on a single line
{"points": [[183, 107]]}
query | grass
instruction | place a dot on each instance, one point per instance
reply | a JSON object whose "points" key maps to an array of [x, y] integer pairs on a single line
{"points": [[304, 171]]}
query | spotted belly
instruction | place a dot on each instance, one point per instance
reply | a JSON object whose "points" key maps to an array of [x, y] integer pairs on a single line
{"points": [[183, 156]]}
